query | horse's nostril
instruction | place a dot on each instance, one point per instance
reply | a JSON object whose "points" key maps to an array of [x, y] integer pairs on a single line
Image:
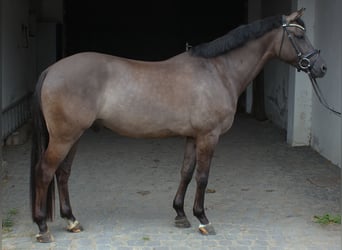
{"points": [[324, 68]]}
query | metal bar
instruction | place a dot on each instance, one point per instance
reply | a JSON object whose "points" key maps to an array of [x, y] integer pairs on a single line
{"points": [[15, 115]]}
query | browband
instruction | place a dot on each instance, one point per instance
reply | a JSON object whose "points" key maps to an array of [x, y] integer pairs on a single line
{"points": [[285, 24]]}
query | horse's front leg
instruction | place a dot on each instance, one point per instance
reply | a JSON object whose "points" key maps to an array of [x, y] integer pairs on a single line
{"points": [[62, 176], [204, 148], [187, 171]]}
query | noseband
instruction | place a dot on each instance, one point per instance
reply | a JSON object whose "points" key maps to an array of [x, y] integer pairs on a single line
{"points": [[303, 62]]}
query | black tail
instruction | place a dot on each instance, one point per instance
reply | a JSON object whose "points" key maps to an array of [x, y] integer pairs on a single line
{"points": [[40, 141]]}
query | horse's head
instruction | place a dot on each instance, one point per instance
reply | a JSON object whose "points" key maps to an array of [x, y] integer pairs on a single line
{"points": [[296, 49]]}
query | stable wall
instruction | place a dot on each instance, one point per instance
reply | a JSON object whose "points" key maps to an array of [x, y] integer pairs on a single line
{"points": [[289, 99], [17, 57], [22, 39], [276, 73], [19, 39], [326, 127], [309, 123]]}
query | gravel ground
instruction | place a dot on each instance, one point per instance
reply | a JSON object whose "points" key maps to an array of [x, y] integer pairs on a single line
{"points": [[262, 194]]}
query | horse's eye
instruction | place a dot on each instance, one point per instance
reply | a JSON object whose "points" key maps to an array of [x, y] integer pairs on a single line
{"points": [[299, 36]]}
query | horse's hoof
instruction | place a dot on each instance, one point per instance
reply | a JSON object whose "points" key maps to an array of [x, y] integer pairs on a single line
{"points": [[74, 227], [206, 229], [182, 222], [45, 237]]}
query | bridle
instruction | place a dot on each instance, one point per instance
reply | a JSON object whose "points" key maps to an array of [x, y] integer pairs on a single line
{"points": [[304, 63]]}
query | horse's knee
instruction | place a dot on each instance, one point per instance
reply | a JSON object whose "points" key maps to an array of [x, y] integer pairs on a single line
{"points": [[40, 218]]}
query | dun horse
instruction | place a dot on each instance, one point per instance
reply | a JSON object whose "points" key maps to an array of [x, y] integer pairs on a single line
{"points": [[193, 94]]}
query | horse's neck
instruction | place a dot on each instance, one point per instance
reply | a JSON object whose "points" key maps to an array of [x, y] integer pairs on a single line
{"points": [[245, 63]]}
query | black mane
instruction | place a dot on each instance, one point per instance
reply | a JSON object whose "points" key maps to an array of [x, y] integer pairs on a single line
{"points": [[237, 37]]}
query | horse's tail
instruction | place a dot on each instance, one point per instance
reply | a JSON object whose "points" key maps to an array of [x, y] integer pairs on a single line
{"points": [[40, 141]]}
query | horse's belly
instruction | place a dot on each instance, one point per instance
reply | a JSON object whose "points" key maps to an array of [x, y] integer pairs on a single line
{"points": [[147, 126]]}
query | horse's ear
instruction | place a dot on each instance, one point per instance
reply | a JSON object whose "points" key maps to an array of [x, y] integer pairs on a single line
{"points": [[295, 15]]}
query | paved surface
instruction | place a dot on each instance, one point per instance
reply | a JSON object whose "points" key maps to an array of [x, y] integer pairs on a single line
{"points": [[264, 194]]}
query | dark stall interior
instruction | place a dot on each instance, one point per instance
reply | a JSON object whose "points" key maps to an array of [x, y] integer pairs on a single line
{"points": [[146, 30]]}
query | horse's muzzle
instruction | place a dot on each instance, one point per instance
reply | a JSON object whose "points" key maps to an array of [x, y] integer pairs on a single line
{"points": [[324, 69], [317, 66], [319, 71]]}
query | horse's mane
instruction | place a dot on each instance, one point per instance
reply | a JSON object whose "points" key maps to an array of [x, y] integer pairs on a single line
{"points": [[237, 37]]}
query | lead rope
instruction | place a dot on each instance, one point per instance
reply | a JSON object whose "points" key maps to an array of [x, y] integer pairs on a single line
{"points": [[320, 97]]}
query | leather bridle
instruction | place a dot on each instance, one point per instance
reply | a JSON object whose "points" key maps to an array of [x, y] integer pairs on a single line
{"points": [[304, 63]]}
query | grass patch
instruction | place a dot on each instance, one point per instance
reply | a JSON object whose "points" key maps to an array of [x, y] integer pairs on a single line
{"points": [[13, 212], [146, 238], [8, 221], [327, 219]]}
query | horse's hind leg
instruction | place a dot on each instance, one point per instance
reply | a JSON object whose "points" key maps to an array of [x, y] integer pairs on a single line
{"points": [[187, 171], [44, 186], [62, 177]]}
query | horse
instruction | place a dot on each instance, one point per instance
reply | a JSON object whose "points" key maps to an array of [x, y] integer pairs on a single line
{"points": [[193, 95]]}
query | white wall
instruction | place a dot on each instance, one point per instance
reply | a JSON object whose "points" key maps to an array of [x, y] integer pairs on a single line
{"points": [[17, 59], [289, 99], [326, 127], [309, 123], [300, 90]]}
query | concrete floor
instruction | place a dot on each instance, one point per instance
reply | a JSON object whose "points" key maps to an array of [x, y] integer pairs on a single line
{"points": [[264, 194]]}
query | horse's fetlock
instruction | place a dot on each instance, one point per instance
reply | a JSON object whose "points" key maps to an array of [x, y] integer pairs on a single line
{"points": [[66, 213], [198, 212], [178, 204], [39, 217]]}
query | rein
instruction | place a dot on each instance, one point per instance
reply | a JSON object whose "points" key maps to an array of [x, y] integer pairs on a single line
{"points": [[304, 64], [320, 96]]}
